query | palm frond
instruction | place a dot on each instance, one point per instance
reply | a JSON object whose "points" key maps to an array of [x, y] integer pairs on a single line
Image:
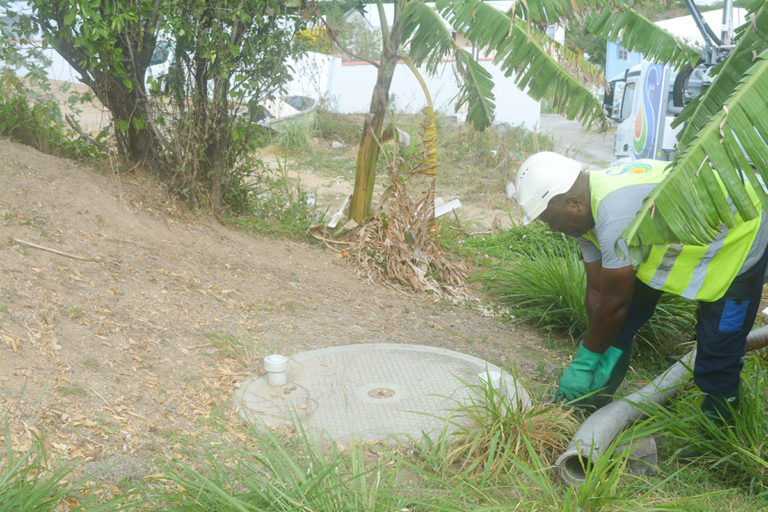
{"points": [[430, 41], [612, 19], [750, 40], [555, 11], [705, 187], [523, 50], [476, 90], [638, 33]]}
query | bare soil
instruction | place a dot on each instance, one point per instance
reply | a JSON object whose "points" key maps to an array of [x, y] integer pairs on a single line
{"points": [[114, 349]]}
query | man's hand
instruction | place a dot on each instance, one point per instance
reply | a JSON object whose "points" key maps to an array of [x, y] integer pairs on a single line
{"points": [[578, 378], [608, 360]]}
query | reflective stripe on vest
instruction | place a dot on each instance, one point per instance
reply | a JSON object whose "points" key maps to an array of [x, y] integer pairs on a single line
{"points": [[695, 272]]}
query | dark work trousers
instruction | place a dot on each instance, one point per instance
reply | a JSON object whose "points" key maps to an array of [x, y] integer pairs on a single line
{"points": [[721, 331]]}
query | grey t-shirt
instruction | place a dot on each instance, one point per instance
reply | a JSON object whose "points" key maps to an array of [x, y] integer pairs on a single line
{"points": [[618, 209]]}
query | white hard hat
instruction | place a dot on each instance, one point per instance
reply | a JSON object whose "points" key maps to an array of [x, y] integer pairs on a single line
{"points": [[541, 177]]}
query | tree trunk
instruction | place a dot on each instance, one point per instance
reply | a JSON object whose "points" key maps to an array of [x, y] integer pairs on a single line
{"points": [[368, 154], [219, 143], [138, 143]]}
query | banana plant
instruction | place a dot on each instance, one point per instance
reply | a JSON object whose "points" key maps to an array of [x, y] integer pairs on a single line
{"points": [[722, 147], [419, 32]]}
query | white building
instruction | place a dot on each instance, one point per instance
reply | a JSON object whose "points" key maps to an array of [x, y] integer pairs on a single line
{"points": [[350, 84]]}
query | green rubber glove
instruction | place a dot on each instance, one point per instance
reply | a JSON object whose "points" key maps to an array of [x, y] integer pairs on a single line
{"points": [[608, 360], [578, 377]]}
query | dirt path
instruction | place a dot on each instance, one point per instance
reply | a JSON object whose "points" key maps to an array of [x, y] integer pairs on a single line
{"points": [[128, 353], [577, 142]]}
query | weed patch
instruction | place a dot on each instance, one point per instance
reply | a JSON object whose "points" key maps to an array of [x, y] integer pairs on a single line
{"points": [[35, 119], [270, 204]]}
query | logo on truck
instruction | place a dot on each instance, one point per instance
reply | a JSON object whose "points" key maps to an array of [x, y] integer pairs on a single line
{"points": [[647, 119]]}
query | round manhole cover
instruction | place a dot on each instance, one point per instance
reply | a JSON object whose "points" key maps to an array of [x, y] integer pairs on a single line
{"points": [[370, 391]]}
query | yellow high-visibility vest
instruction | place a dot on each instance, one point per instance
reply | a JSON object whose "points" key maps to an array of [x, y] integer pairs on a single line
{"points": [[692, 271]]}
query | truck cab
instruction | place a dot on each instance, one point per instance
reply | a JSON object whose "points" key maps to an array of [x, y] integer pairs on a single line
{"points": [[642, 103]]}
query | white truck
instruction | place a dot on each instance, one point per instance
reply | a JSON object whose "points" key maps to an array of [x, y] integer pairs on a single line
{"points": [[645, 100]]}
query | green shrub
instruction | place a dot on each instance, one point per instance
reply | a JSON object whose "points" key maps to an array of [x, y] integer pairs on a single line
{"points": [[35, 119]]}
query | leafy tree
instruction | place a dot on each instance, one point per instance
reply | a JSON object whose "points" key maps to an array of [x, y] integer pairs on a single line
{"points": [[227, 53], [110, 44], [229, 57], [580, 40], [15, 29]]}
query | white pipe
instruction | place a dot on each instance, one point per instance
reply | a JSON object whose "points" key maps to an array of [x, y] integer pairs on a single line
{"points": [[602, 427]]}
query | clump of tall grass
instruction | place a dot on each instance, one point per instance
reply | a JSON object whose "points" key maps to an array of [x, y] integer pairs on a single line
{"points": [[501, 458], [294, 137], [279, 475], [500, 247], [539, 277], [270, 203], [738, 451], [332, 126], [502, 146], [494, 431], [545, 290], [33, 481]]}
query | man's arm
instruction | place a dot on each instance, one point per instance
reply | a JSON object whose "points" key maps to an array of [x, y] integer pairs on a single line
{"points": [[608, 297], [592, 298], [607, 304]]}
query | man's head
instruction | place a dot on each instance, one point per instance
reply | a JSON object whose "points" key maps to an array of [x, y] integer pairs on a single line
{"points": [[553, 188]]}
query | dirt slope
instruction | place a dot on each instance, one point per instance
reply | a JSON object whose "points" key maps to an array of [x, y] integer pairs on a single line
{"points": [[114, 356]]}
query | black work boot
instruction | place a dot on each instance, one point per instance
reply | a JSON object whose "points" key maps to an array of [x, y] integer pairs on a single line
{"points": [[718, 408]]}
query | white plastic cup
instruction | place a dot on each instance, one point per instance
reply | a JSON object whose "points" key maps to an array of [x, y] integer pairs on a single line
{"points": [[276, 367]]}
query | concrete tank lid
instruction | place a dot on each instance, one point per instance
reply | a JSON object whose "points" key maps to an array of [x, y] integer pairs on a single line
{"points": [[370, 392]]}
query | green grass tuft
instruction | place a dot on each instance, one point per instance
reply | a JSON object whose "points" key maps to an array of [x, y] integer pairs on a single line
{"points": [[271, 204], [539, 277], [737, 453], [30, 481]]}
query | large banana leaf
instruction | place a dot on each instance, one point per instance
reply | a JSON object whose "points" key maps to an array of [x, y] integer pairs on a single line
{"points": [[705, 187], [751, 39], [539, 64], [549, 70], [613, 19], [430, 41], [637, 33]]}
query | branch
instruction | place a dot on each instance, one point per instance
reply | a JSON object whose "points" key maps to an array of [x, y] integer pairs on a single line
{"points": [[54, 251], [344, 48], [87, 138]]}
